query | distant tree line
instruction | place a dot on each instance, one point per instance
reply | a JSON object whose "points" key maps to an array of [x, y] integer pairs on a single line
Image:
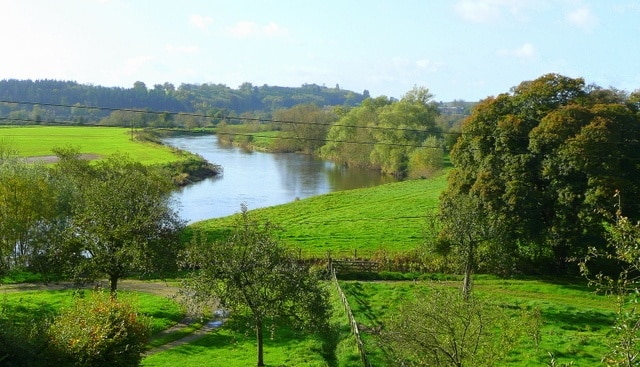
{"points": [[205, 99]]}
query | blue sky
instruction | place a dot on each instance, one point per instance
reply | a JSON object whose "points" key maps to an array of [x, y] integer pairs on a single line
{"points": [[458, 49]]}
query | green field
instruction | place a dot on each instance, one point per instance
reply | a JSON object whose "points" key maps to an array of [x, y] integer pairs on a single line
{"points": [[234, 344], [38, 141], [231, 345], [23, 306], [576, 323], [386, 219]]}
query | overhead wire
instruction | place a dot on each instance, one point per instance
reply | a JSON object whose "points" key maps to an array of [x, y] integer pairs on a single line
{"points": [[228, 117], [275, 121], [283, 137]]}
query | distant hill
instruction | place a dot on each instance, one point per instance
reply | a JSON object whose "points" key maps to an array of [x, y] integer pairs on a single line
{"points": [[49, 100]]}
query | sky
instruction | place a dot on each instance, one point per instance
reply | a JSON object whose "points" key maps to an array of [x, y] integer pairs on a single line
{"points": [[458, 49]]}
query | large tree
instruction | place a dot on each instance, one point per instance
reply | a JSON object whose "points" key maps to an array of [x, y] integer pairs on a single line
{"points": [[543, 160], [402, 127], [31, 203], [251, 272], [122, 220], [385, 134], [303, 128], [350, 139]]}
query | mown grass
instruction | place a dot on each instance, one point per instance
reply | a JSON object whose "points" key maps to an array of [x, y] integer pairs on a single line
{"points": [[576, 322], [35, 141], [386, 219], [25, 306], [234, 345]]}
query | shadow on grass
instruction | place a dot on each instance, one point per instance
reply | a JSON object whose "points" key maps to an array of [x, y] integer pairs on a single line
{"points": [[331, 337], [582, 320], [362, 306]]}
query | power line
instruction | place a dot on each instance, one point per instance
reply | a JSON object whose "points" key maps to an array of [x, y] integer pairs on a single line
{"points": [[226, 117], [266, 120], [258, 119]]}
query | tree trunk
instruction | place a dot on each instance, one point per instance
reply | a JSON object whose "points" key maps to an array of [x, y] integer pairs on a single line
{"points": [[468, 271], [259, 340], [113, 280]]}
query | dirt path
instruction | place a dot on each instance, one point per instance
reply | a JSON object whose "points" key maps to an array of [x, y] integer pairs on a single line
{"points": [[157, 287], [204, 330]]}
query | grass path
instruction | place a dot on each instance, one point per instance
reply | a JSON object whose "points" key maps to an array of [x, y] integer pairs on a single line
{"points": [[178, 329]]}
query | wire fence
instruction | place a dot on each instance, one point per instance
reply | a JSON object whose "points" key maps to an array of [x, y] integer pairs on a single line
{"points": [[352, 320]]}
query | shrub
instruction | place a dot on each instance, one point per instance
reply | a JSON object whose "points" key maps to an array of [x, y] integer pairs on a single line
{"points": [[22, 345], [99, 330]]}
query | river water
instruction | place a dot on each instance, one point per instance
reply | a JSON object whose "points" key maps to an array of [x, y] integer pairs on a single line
{"points": [[259, 179]]}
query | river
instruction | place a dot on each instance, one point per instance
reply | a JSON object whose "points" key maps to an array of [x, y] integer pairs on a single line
{"points": [[259, 179]]}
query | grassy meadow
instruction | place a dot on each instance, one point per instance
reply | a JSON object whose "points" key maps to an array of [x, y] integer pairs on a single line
{"points": [[22, 306], [38, 141], [386, 219], [234, 345], [575, 322]]}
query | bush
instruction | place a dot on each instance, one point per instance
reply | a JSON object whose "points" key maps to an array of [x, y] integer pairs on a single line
{"points": [[22, 345], [96, 331], [445, 329]]}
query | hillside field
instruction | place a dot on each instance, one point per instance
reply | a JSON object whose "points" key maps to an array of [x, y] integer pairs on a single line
{"points": [[386, 219], [38, 141]]}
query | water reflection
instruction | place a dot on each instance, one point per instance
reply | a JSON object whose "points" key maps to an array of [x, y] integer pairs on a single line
{"points": [[259, 179]]}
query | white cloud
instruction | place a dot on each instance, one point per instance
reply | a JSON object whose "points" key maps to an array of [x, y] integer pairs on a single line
{"points": [[526, 51], [246, 29], [582, 18], [200, 22], [428, 65], [172, 49], [485, 11], [479, 11], [273, 29]]}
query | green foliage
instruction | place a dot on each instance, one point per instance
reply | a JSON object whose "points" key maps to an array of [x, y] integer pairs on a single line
{"points": [[624, 252], [251, 272], [233, 345], [121, 220], [192, 168], [243, 135], [542, 161], [303, 128], [426, 160], [402, 127], [26, 316], [445, 329], [99, 330], [210, 99], [22, 345], [385, 135], [23, 339], [348, 140], [31, 203], [562, 317]]}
